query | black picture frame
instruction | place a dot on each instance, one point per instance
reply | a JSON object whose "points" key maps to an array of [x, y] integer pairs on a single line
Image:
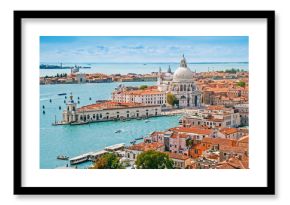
{"points": [[268, 190]]}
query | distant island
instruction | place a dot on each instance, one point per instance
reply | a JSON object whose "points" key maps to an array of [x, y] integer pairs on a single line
{"points": [[46, 66]]}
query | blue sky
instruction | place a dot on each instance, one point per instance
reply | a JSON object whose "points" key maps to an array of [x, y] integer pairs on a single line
{"points": [[123, 49]]}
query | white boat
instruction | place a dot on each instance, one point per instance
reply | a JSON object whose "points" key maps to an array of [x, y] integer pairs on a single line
{"points": [[80, 158], [115, 147], [62, 157]]}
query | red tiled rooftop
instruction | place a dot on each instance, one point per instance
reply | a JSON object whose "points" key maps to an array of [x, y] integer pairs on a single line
{"points": [[229, 131], [152, 90], [110, 105], [177, 156], [219, 141], [215, 107], [244, 139], [146, 146], [195, 130], [176, 135]]}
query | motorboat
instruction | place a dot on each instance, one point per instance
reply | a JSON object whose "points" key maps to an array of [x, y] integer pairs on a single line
{"points": [[62, 157]]}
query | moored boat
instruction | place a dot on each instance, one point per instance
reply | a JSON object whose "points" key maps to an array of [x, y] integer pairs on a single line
{"points": [[62, 157]]}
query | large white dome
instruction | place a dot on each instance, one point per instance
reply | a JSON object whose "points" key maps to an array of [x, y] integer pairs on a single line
{"points": [[183, 73]]}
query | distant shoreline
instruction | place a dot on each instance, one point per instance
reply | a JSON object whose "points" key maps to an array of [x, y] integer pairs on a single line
{"points": [[52, 63]]}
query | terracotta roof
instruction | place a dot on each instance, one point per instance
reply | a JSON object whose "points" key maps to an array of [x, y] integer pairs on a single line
{"points": [[177, 156], [244, 139], [195, 130], [176, 135], [229, 131], [233, 163], [107, 105], [215, 107], [148, 91], [234, 149], [146, 146], [219, 141], [217, 90]]}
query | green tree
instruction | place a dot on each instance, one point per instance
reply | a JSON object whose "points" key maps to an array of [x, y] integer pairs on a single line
{"points": [[241, 84], [143, 87], [153, 160], [189, 142], [171, 99], [108, 161]]}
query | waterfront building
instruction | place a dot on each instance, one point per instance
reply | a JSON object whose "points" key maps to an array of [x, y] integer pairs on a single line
{"points": [[80, 77], [147, 96], [181, 84], [107, 110]]}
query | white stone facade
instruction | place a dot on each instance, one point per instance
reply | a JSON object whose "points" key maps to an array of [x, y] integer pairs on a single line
{"points": [[182, 85], [108, 110]]}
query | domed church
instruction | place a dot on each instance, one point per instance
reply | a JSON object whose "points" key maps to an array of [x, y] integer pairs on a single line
{"points": [[181, 84]]}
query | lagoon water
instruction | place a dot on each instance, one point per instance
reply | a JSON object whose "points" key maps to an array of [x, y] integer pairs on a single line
{"points": [[141, 68], [75, 140]]}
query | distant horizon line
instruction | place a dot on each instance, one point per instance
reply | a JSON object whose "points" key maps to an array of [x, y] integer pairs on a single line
{"points": [[216, 62]]}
